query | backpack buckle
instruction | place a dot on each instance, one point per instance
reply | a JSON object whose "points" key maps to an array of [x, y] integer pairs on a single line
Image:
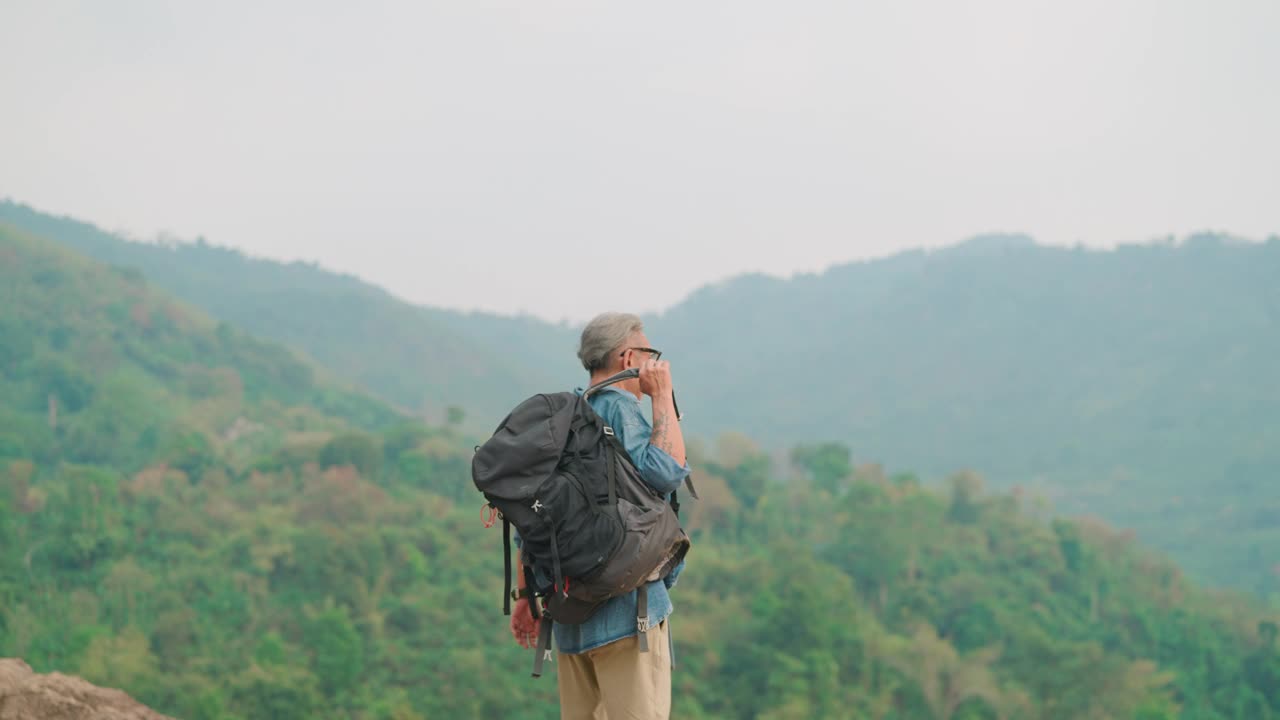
{"points": [[642, 624], [608, 431]]}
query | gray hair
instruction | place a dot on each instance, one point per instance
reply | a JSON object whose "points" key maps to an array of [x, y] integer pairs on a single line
{"points": [[605, 333]]}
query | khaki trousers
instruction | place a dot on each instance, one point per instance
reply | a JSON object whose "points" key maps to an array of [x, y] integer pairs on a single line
{"points": [[617, 681]]}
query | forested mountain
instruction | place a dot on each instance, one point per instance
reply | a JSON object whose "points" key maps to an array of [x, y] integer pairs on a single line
{"points": [[100, 369], [1140, 384], [1137, 384], [420, 359], [222, 533]]}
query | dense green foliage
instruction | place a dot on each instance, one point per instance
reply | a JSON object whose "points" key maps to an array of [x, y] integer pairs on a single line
{"points": [[421, 359], [99, 369], [273, 547], [1136, 384]]}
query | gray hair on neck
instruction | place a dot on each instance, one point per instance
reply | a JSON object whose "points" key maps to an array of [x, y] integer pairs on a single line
{"points": [[603, 335]]}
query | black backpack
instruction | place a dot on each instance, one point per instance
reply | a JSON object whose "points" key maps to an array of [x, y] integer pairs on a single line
{"points": [[586, 519]]}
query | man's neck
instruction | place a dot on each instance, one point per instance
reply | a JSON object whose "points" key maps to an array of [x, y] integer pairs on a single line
{"points": [[601, 376]]}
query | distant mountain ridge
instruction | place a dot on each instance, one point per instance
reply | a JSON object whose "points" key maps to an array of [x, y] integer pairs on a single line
{"points": [[420, 359], [209, 521], [1137, 383]]}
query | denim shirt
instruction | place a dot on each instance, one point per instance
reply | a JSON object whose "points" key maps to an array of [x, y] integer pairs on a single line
{"points": [[616, 619]]}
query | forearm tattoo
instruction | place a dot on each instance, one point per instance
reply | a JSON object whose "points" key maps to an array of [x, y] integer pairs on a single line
{"points": [[660, 439]]}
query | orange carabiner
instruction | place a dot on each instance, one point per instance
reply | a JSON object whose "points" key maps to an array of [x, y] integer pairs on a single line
{"points": [[493, 515]]}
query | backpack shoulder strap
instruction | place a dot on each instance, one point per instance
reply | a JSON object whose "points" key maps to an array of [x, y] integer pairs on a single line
{"points": [[506, 566], [611, 459]]}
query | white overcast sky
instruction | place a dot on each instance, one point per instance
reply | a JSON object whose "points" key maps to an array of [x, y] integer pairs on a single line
{"points": [[558, 157]]}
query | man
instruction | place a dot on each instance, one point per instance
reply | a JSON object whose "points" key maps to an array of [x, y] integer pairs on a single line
{"points": [[602, 671]]}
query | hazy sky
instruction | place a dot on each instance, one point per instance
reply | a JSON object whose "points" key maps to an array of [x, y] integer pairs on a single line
{"points": [[464, 154]]}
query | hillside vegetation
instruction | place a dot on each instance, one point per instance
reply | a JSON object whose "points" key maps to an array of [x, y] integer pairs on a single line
{"points": [[1137, 384], [100, 369], [222, 533], [422, 360]]}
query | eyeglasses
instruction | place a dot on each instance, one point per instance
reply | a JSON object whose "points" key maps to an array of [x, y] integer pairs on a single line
{"points": [[655, 354]]}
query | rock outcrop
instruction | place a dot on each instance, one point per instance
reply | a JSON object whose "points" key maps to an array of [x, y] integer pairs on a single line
{"points": [[24, 695]]}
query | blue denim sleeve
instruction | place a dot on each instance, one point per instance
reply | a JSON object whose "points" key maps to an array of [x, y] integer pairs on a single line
{"points": [[656, 466], [670, 579]]}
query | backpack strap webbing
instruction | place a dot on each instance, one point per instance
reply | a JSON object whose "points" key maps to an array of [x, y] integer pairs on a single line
{"points": [[688, 482], [543, 650], [642, 617], [675, 495], [671, 643], [533, 596], [558, 584], [611, 459], [506, 566]]}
